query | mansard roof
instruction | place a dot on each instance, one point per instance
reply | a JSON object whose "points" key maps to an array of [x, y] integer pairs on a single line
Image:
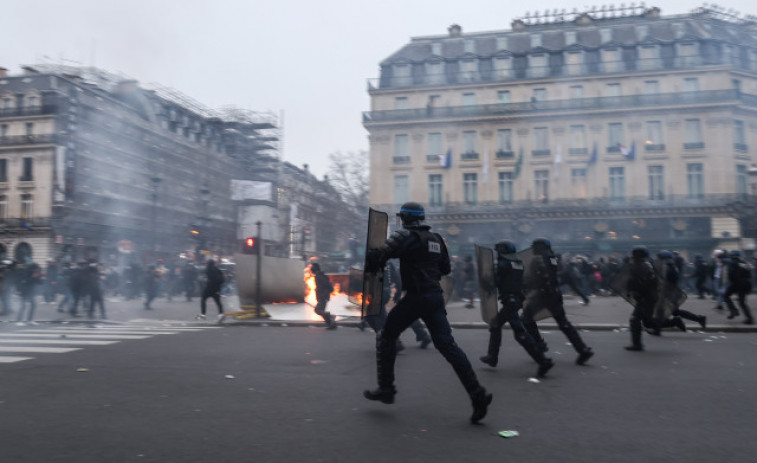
{"points": [[625, 31]]}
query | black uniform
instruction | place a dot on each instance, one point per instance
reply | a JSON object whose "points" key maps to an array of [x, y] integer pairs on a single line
{"points": [[668, 267], [550, 297], [701, 271], [642, 286], [739, 283], [509, 280], [323, 289], [423, 260], [212, 289]]}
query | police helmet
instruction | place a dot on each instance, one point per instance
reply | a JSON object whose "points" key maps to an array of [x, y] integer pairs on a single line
{"points": [[664, 254], [735, 253], [640, 252], [505, 247], [411, 212], [541, 245], [315, 267]]}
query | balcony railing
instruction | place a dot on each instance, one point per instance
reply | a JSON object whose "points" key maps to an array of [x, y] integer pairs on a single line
{"points": [[16, 222], [517, 72], [740, 147], [27, 139], [32, 111], [655, 147], [471, 156], [401, 159], [613, 149], [542, 152], [573, 104], [587, 204], [578, 151], [501, 154], [693, 145], [433, 158]]}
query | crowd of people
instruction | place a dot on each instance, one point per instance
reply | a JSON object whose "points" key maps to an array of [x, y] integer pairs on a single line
{"points": [[80, 288]]}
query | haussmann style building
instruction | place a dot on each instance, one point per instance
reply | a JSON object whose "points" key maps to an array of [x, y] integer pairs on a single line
{"points": [[600, 130]]}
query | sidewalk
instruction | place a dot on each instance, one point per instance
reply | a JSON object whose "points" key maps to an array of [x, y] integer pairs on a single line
{"points": [[602, 313]]}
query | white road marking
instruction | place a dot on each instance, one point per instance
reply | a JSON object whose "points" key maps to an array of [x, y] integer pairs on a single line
{"points": [[63, 342], [39, 350], [75, 336], [95, 330], [11, 359]]}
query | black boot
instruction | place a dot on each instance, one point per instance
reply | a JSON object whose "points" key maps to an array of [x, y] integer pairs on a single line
{"points": [[544, 367], [635, 335], [584, 356], [495, 340], [480, 400], [533, 330], [702, 321], [383, 395]]}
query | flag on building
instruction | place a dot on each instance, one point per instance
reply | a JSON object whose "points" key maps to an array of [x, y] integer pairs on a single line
{"points": [[445, 160], [594, 153], [558, 161], [485, 168], [519, 163], [630, 154]]}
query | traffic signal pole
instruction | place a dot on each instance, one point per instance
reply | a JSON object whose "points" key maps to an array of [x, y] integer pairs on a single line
{"points": [[258, 269]]}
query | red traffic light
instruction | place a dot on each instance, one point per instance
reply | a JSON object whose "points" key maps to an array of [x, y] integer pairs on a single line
{"points": [[249, 242]]}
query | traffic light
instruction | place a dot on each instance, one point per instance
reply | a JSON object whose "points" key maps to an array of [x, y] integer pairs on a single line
{"points": [[250, 245]]}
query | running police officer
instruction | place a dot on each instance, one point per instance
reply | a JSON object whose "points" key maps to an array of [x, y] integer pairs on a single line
{"points": [[549, 297], [739, 283], [423, 260], [509, 281], [642, 288]]}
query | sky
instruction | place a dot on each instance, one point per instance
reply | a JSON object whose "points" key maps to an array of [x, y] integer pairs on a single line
{"points": [[306, 61]]}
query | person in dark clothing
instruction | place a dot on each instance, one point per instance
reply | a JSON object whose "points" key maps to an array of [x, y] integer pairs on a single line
{"points": [[547, 295], [151, 281], [189, 280], [323, 290], [739, 283], [77, 285], [668, 269], [30, 278], [212, 289], [572, 278], [701, 271], [51, 281], [423, 260], [509, 282], [642, 287], [93, 287], [7, 281]]}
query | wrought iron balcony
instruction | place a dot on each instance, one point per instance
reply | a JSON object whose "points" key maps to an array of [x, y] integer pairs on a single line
{"points": [[578, 151], [655, 147], [470, 156], [401, 159], [502, 154], [28, 139], [573, 104], [31, 111], [693, 145], [741, 147]]}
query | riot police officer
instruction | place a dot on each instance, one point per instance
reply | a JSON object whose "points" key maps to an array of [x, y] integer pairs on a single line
{"points": [[509, 281], [547, 295], [423, 260], [642, 288], [739, 283], [668, 269]]}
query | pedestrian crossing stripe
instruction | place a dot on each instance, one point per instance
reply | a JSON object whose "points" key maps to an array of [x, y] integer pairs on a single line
{"points": [[83, 336], [94, 330], [38, 350], [12, 359], [64, 342]]}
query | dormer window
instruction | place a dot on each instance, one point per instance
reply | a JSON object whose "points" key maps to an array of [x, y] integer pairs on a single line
{"points": [[535, 40], [470, 46], [605, 35], [436, 49]]}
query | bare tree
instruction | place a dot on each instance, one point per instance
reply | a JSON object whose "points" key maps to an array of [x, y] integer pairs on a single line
{"points": [[348, 174]]}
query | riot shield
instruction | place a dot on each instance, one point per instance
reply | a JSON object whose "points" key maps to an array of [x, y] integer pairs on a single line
{"points": [[448, 287], [669, 295], [373, 282], [487, 286], [619, 283], [534, 301]]}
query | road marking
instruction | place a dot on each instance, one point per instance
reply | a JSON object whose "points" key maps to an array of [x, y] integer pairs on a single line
{"points": [[39, 350], [11, 359], [83, 336], [64, 342], [93, 331]]}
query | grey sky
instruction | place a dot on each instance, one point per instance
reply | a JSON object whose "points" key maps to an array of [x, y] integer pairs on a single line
{"points": [[310, 59]]}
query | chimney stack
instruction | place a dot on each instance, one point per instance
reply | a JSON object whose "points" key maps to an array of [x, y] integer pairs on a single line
{"points": [[455, 30]]}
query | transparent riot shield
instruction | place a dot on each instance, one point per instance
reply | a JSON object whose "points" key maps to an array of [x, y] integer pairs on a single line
{"points": [[355, 286], [619, 283], [534, 300], [373, 282], [487, 286], [669, 295]]}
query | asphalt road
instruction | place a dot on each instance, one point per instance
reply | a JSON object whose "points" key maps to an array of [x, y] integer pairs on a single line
{"points": [[291, 394]]}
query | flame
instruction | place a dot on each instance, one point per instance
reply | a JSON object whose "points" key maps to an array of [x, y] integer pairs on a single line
{"points": [[338, 281]]}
